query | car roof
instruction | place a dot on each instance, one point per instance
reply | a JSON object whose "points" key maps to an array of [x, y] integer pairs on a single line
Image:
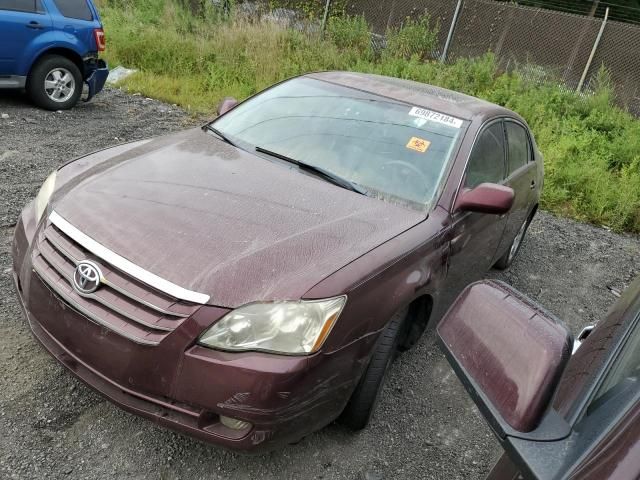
{"points": [[419, 94]]}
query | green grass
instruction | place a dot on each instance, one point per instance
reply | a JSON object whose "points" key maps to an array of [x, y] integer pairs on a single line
{"points": [[591, 148]]}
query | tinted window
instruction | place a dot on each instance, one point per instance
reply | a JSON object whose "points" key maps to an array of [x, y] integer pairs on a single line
{"points": [[486, 163], [623, 378], [519, 150], [21, 5], [74, 9]]}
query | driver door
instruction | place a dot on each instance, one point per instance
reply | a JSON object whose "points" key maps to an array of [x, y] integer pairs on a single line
{"points": [[475, 237]]}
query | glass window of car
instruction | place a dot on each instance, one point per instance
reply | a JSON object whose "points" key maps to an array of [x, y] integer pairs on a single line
{"points": [[519, 147], [623, 377], [21, 5], [77, 9], [486, 162], [395, 151]]}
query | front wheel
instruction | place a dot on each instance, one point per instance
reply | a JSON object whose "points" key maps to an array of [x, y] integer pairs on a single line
{"points": [[506, 260], [362, 403], [55, 83]]}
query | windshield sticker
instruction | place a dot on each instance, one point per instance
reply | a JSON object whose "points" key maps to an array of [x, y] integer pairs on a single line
{"points": [[418, 144], [435, 117]]}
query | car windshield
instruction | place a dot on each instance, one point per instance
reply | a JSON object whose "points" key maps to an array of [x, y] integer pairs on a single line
{"points": [[396, 151]]}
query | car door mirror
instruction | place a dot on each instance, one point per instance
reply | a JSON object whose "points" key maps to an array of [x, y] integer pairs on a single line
{"points": [[486, 198], [226, 104], [509, 353]]}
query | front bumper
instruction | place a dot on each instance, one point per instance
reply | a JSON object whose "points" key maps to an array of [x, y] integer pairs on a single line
{"points": [[184, 386]]}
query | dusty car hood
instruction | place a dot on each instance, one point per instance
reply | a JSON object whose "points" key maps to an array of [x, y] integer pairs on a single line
{"points": [[217, 220]]}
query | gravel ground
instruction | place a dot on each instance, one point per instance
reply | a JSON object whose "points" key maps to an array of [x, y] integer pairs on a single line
{"points": [[53, 426]]}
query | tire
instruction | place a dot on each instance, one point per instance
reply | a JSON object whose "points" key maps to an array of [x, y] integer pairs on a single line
{"points": [[55, 83], [506, 260], [362, 403]]}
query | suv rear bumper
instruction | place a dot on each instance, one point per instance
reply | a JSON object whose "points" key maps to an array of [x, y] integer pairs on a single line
{"points": [[96, 74]]}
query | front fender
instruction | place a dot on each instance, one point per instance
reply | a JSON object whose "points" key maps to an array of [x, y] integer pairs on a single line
{"points": [[386, 280]]}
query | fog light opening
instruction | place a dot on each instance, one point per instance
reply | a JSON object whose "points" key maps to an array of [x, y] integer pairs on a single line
{"points": [[234, 423]]}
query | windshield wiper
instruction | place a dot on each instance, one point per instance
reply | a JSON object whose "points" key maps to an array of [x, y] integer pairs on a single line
{"points": [[326, 174], [219, 134]]}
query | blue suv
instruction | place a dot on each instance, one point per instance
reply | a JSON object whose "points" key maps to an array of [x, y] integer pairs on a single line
{"points": [[50, 47]]}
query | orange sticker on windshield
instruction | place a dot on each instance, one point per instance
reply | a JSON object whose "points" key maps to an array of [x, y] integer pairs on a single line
{"points": [[418, 144]]}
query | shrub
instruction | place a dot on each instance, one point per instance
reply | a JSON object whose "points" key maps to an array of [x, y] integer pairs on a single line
{"points": [[350, 33], [413, 37]]}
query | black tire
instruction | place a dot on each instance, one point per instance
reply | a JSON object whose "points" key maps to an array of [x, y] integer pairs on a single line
{"points": [[509, 256], [70, 90], [362, 403]]}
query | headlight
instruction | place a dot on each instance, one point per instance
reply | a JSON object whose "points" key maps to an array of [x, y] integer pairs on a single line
{"points": [[299, 327], [46, 190]]}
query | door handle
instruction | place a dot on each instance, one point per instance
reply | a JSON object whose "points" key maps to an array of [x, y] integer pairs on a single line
{"points": [[34, 25], [533, 184]]}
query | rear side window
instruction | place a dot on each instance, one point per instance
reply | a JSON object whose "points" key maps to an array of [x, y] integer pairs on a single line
{"points": [[486, 163], [519, 148], [21, 5], [75, 9]]}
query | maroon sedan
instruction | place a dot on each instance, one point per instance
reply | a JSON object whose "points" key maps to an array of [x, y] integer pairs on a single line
{"points": [[557, 416], [249, 282]]}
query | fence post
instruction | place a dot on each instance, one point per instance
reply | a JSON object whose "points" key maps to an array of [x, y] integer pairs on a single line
{"points": [[593, 52], [326, 15], [454, 20]]}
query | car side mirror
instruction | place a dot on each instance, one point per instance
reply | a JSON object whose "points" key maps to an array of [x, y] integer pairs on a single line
{"points": [[226, 104], [509, 354], [486, 198]]}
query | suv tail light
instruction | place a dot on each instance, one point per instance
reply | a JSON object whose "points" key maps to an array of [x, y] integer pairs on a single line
{"points": [[98, 34]]}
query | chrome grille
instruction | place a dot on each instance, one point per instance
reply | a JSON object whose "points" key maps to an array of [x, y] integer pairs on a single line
{"points": [[121, 304]]}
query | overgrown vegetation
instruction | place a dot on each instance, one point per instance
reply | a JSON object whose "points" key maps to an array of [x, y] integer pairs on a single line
{"points": [[591, 148], [413, 37]]}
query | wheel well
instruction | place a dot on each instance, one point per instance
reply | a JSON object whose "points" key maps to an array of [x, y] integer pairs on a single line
{"points": [[416, 321], [63, 52]]}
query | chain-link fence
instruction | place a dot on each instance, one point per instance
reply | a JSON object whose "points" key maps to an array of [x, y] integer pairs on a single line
{"points": [[545, 44], [542, 44]]}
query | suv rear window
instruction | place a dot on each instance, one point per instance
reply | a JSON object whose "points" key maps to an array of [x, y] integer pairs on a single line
{"points": [[74, 9], [21, 5]]}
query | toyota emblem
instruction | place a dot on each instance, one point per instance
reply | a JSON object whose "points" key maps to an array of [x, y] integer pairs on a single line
{"points": [[86, 278]]}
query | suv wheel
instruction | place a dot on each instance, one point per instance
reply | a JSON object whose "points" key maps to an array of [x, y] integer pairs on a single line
{"points": [[55, 83], [362, 403]]}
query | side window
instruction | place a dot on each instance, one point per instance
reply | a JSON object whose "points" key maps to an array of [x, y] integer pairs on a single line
{"points": [[486, 163], [21, 5], [623, 378], [519, 147], [77, 9]]}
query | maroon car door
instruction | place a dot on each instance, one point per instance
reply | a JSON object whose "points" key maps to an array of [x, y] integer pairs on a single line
{"points": [[607, 430], [475, 237], [599, 395], [521, 176]]}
